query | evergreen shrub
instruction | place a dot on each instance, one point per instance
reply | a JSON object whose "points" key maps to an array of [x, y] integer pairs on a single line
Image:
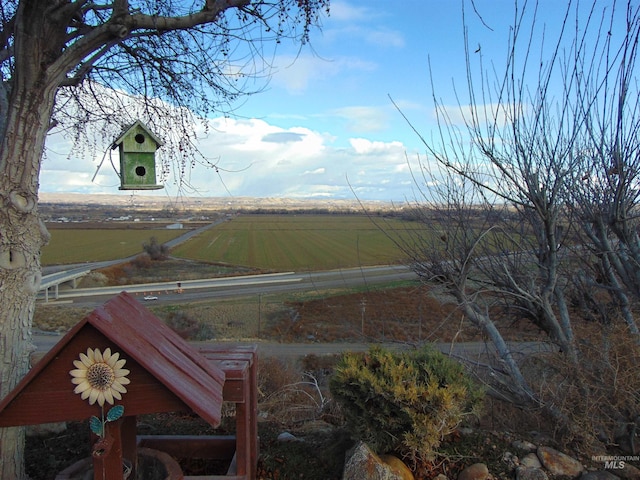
{"points": [[405, 402]]}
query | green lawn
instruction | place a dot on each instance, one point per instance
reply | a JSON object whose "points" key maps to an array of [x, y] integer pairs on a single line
{"points": [[95, 245], [272, 242], [296, 242]]}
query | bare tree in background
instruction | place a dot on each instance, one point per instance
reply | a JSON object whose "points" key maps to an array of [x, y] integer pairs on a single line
{"points": [[62, 62], [538, 184], [603, 192]]}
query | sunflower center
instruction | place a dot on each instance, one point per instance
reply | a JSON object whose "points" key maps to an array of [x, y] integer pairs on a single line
{"points": [[100, 376]]}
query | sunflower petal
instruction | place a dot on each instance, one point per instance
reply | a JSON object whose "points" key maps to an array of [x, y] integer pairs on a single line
{"points": [[113, 359], [118, 387], [82, 387], [121, 372], [97, 355], [79, 373], [107, 396], [119, 364], [86, 360], [93, 396]]}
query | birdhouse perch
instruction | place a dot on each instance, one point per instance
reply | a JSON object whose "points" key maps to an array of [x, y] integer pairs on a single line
{"points": [[137, 148]]}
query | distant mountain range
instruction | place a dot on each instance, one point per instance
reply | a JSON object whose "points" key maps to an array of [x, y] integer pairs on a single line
{"points": [[213, 203]]}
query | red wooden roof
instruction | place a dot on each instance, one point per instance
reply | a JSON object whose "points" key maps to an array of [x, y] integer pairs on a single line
{"points": [[167, 373]]}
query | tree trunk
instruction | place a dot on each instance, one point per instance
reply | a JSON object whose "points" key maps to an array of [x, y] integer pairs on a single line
{"points": [[520, 387], [22, 235]]}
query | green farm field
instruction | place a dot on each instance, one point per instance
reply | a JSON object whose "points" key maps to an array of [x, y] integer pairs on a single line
{"points": [[95, 245], [296, 242]]}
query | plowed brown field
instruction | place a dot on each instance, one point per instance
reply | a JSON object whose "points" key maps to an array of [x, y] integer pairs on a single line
{"points": [[407, 314]]}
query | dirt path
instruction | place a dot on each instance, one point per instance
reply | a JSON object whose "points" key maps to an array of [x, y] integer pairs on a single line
{"points": [[469, 351]]}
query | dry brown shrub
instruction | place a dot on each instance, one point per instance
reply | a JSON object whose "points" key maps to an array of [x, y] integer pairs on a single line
{"points": [[188, 327], [287, 394], [601, 398], [378, 315], [142, 262], [321, 367], [54, 318], [94, 279], [116, 274]]}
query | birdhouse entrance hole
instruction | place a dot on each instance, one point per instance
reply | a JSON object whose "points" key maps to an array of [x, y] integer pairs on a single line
{"points": [[141, 171]]}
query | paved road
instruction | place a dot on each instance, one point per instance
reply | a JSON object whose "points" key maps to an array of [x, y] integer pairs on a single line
{"points": [[228, 287]]}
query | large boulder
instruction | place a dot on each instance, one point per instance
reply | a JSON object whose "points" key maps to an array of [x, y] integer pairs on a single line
{"points": [[558, 463], [531, 460], [524, 446], [398, 466], [363, 464], [629, 472], [599, 475], [477, 471], [530, 473]]}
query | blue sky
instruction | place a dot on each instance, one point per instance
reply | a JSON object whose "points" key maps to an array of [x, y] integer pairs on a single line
{"points": [[324, 126]]}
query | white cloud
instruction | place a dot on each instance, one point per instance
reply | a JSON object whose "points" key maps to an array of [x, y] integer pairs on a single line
{"points": [[384, 37], [246, 157], [362, 24], [345, 12], [283, 137], [254, 158], [362, 146], [485, 113], [362, 119], [296, 73]]}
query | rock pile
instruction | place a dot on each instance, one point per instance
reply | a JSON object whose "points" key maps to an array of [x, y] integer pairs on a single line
{"points": [[529, 462]]}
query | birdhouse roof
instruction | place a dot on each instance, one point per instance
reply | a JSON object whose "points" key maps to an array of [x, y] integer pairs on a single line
{"points": [[166, 372], [132, 127]]}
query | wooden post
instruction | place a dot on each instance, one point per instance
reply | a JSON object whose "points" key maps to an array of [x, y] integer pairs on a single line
{"points": [[107, 453], [253, 411], [129, 442]]}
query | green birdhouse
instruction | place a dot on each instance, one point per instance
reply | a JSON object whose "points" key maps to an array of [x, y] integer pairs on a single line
{"points": [[137, 147]]}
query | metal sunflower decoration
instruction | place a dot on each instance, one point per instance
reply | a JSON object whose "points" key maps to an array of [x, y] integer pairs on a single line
{"points": [[99, 377]]}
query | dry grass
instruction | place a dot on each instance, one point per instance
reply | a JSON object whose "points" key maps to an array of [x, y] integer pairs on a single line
{"points": [[412, 314], [170, 270], [600, 399], [50, 317]]}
